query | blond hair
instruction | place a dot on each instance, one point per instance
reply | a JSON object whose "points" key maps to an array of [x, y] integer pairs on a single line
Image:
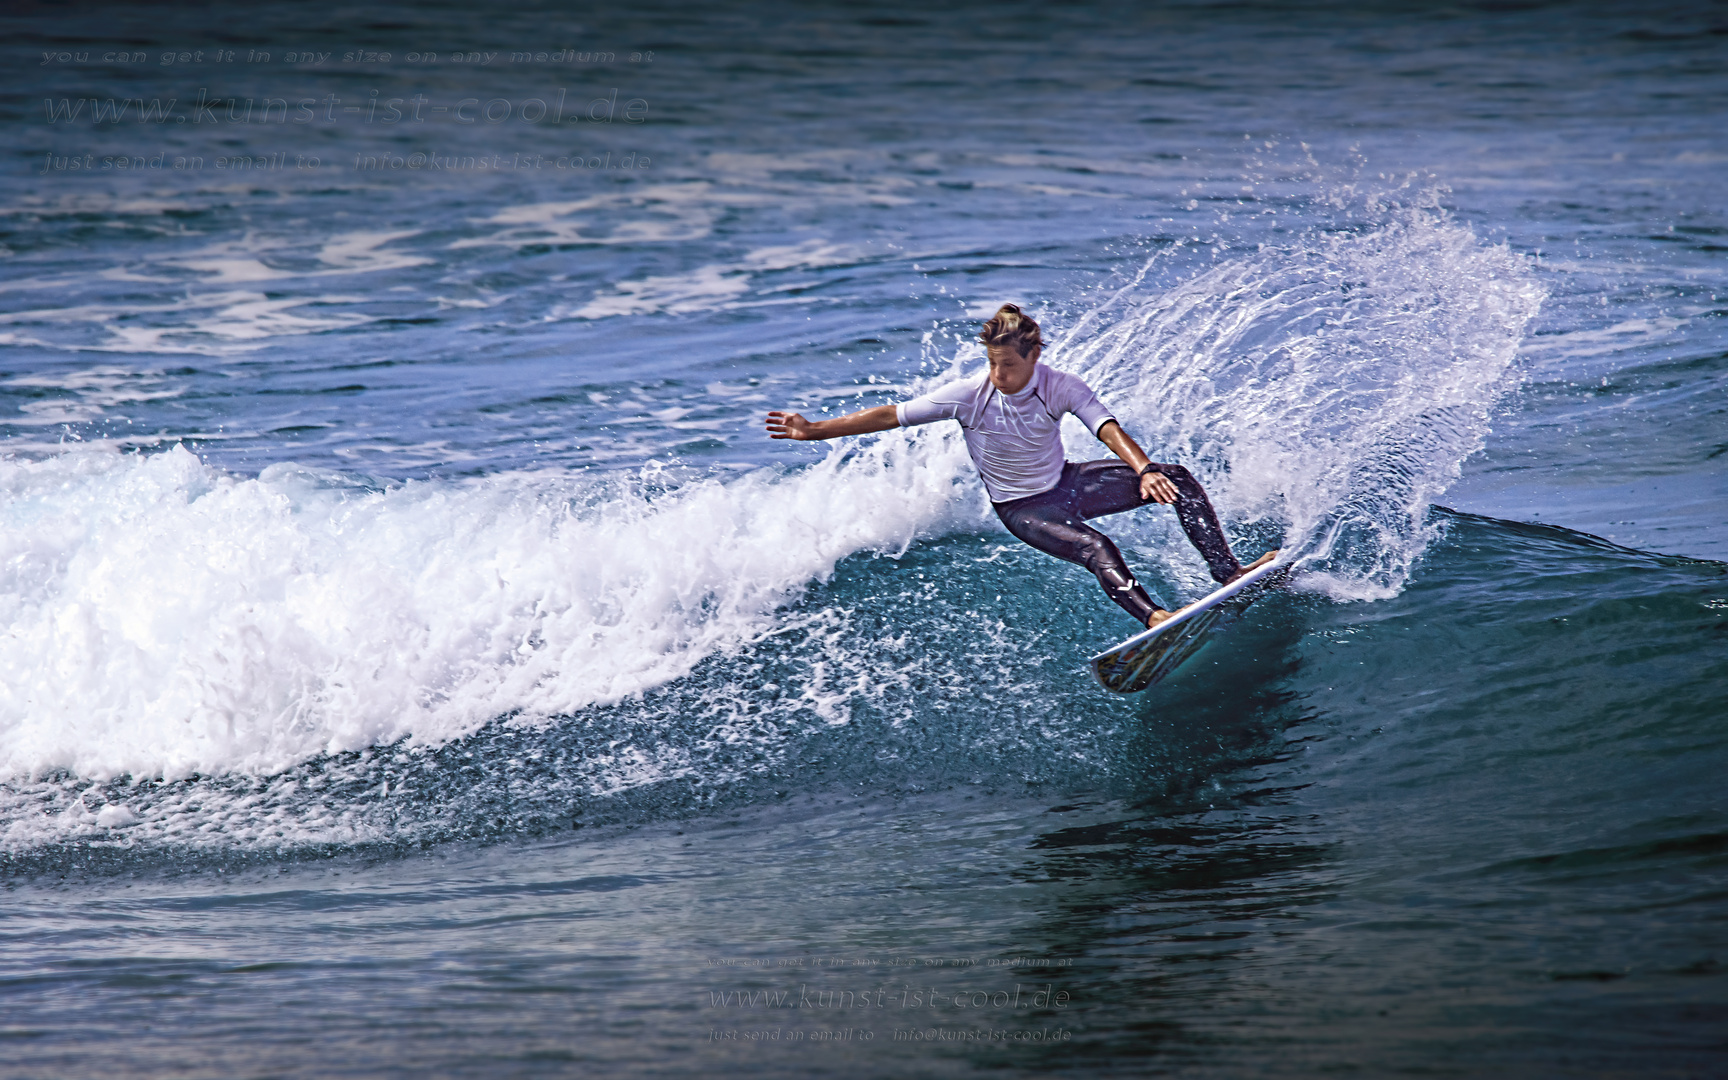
{"points": [[1014, 328]]}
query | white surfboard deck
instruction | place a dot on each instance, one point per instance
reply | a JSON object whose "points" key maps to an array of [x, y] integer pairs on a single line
{"points": [[1152, 654]]}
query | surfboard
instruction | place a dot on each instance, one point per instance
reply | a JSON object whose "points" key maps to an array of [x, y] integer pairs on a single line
{"points": [[1150, 655]]}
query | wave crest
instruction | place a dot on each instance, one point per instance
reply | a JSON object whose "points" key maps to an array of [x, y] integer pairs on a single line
{"points": [[165, 618]]}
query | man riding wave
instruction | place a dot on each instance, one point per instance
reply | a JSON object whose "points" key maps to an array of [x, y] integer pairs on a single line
{"points": [[1011, 415]]}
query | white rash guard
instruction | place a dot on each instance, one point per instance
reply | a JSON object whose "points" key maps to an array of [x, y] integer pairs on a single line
{"points": [[1015, 439]]}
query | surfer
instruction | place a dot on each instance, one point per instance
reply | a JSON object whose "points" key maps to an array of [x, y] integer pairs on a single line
{"points": [[1011, 415]]}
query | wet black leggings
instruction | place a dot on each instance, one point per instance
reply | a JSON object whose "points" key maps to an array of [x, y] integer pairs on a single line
{"points": [[1053, 521]]}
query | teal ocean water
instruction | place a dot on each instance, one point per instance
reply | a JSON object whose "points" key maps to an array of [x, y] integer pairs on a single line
{"points": [[417, 661]]}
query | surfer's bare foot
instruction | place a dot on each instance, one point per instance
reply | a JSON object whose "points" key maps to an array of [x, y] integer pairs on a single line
{"points": [[1158, 615], [1256, 564]]}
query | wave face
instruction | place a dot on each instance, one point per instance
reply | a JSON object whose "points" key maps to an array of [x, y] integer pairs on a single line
{"points": [[177, 628]]}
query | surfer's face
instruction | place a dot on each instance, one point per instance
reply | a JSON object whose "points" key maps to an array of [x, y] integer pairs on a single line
{"points": [[1009, 370]]}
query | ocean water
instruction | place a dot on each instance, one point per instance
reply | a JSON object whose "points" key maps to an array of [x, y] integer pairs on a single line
{"points": [[417, 660]]}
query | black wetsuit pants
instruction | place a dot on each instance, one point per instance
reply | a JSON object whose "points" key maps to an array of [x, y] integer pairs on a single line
{"points": [[1054, 521]]}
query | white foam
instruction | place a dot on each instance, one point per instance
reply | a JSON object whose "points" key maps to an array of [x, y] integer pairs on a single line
{"points": [[237, 321], [705, 289], [661, 213], [241, 260], [247, 317], [678, 212], [57, 281], [93, 202], [1570, 346], [163, 618], [94, 391], [711, 288], [363, 253], [854, 177], [228, 270], [812, 254]]}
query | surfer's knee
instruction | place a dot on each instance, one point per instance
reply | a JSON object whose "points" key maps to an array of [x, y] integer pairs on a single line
{"points": [[1188, 489]]}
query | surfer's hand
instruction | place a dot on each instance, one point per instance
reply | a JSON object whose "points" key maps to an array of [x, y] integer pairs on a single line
{"points": [[1156, 487], [788, 425]]}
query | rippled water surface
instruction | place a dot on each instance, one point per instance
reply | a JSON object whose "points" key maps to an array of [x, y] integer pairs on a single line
{"points": [[418, 662]]}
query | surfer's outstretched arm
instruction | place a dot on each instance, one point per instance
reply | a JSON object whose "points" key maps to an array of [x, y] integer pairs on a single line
{"points": [[790, 425]]}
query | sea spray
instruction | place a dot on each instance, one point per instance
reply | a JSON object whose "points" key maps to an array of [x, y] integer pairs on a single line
{"points": [[1327, 391]]}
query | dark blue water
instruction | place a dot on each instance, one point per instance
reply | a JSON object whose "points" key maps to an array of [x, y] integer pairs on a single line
{"points": [[417, 661]]}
